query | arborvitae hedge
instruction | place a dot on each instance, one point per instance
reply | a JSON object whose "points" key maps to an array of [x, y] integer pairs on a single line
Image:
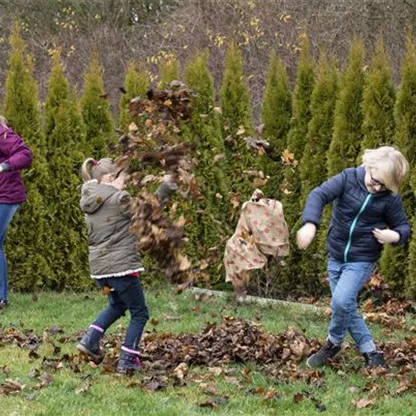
{"points": [[311, 170], [58, 91], [28, 238], [96, 113], [40, 256], [348, 118], [301, 115], [136, 84], [378, 113], [237, 125], [396, 264], [210, 223], [64, 140], [168, 70], [378, 102], [347, 129], [276, 114]]}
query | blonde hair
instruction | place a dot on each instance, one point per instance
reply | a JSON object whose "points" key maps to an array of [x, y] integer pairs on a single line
{"points": [[3, 121], [92, 169], [391, 165]]}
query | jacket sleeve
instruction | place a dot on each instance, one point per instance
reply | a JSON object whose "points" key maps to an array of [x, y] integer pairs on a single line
{"points": [[166, 190], [124, 200], [397, 220], [322, 195], [20, 156]]}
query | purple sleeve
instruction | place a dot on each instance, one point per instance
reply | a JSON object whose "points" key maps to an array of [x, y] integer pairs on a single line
{"points": [[19, 155]]}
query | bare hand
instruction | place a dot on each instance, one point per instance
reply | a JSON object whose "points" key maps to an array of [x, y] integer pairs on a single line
{"points": [[305, 235], [119, 182], [386, 236]]}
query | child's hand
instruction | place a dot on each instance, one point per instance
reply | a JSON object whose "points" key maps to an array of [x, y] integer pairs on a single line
{"points": [[386, 236], [305, 235], [119, 182]]}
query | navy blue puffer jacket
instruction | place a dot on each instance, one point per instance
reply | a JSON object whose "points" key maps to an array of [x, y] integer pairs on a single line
{"points": [[355, 214]]}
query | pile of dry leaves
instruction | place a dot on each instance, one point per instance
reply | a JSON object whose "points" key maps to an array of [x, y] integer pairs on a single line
{"points": [[169, 359]]}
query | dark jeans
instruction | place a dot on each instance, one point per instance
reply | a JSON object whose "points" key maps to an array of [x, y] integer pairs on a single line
{"points": [[6, 214], [127, 294]]}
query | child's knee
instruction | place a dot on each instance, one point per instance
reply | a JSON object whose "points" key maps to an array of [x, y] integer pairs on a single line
{"points": [[342, 304], [140, 313]]}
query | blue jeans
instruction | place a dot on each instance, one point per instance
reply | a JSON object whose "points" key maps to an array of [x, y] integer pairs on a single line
{"points": [[6, 214], [346, 280], [126, 294]]}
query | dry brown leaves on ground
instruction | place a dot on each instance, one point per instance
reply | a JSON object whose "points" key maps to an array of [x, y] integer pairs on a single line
{"points": [[169, 359]]}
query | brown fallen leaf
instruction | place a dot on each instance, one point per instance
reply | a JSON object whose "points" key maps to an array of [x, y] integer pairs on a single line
{"points": [[181, 371], [84, 387], [271, 394], [168, 317], [215, 402], [4, 369], [154, 321], [10, 387], [231, 380], [45, 380], [153, 385], [362, 403]]}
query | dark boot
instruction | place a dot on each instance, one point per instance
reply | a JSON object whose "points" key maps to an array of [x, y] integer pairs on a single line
{"points": [[374, 359], [128, 362], [90, 345], [324, 355]]}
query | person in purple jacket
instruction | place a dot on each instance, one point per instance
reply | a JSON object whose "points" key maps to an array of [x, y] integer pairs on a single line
{"points": [[367, 213], [14, 156]]}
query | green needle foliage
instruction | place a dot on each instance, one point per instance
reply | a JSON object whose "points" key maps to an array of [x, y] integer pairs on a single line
{"points": [[136, 84], [58, 92], [296, 141], [64, 132], [29, 235], [319, 136], [347, 130], [96, 114], [210, 224], [237, 125], [348, 117], [397, 263], [276, 114], [168, 70], [378, 102]]}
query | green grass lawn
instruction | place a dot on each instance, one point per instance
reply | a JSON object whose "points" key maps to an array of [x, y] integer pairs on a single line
{"points": [[232, 392]]}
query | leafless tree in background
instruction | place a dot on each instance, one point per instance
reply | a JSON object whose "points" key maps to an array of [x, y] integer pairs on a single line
{"points": [[121, 30]]}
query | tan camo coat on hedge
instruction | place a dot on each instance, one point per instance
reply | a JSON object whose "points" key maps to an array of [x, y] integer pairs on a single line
{"points": [[261, 231]]}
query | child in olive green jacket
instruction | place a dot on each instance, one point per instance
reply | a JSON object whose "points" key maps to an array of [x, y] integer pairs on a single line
{"points": [[114, 258]]}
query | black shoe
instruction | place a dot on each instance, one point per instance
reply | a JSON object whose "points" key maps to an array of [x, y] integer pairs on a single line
{"points": [[90, 345], [3, 304], [128, 362], [324, 355], [374, 359]]}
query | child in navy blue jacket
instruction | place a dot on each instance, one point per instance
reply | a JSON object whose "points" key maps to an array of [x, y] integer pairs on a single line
{"points": [[367, 213]]}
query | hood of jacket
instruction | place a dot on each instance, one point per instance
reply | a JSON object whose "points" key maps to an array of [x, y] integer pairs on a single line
{"points": [[94, 194]]}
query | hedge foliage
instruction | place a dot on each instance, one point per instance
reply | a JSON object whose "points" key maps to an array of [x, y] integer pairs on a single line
{"points": [[319, 126]]}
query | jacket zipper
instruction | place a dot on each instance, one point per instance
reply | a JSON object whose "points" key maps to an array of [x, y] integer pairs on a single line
{"points": [[353, 224]]}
